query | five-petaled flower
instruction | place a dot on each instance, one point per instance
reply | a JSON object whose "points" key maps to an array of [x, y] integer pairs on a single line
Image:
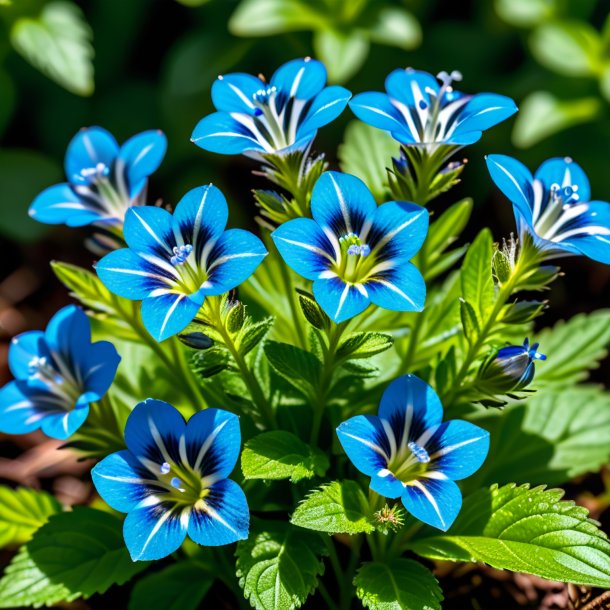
{"points": [[172, 480], [355, 252], [104, 180], [58, 373], [417, 111], [255, 117], [174, 262], [410, 454], [554, 207]]}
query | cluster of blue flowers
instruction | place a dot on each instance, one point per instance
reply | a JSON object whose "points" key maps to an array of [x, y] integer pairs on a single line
{"points": [[172, 479]]}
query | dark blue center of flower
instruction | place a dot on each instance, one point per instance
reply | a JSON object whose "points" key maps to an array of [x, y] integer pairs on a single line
{"points": [[180, 254], [39, 367], [421, 455]]}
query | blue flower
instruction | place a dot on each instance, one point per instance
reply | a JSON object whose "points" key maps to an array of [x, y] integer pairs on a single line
{"points": [[172, 480], [283, 115], [174, 262], [355, 252], [417, 111], [517, 362], [58, 373], [554, 207], [410, 454], [103, 179]]}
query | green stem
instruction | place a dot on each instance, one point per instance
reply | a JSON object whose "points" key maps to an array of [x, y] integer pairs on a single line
{"points": [[323, 387], [297, 319]]}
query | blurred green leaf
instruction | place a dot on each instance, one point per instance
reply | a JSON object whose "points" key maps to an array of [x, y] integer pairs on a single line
{"points": [[265, 17], [526, 13], [572, 48], [396, 27], [604, 83], [193, 2], [366, 152], [58, 43], [541, 115], [342, 53], [23, 174], [7, 99]]}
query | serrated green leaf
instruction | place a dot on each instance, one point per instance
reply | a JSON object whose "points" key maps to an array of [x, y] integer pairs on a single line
{"points": [[278, 566], [252, 334], [403, 585], [551, 438], [476, 275], [568, 47], [337, 508], [22, 512], [300, 368], [210, 362], [281, 455], [74, 555], [58, 43], [364, 345], [343, 53], [524, 530], [574, 347], [181, 586], [366, 152]]}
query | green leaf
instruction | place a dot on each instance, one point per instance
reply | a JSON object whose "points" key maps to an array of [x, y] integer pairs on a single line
{"points": [[281, 455], [476, 276], [22, 512], [526, 13], [541, 115], [366, 152], [364, 345], [210, 362], [300, 368], [524, 530], [278, 566], [568, 47], [396, 27], [313, 312], [180, 586], [470, 323], [403, 585], [58, 43], [554, 436], [337, 508], [574, 347], [343, 53], [448, 227], [266, 17], [252, 334], [74, 555]]}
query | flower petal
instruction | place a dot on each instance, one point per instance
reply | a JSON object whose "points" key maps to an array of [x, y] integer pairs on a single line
{"points": [[63, 425], [386, 484], [399, 289], [410, 86], [399, 229], [458, 449], [564, 172], [365, 442], [23, 349], [481, 112], [304, 247], [59, 204], [341, 203], [234, 92], [300, 78], [339, 300], [220, 133], [141, 155], [166, 314], [225, 518], [129, 276], [515, 181], [88, 148], [22, 407], [148, 230], [376, 109], [591, 236], [411, 407], [213, 441], [200, 217], [234, 258], [121, 481], [435, 501], [97, 368], [67, 332], [153, 431], [153, 531], [327, 106]]}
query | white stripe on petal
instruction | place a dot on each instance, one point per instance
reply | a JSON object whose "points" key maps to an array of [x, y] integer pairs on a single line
{"points": [[450, 448], [150, 231], [207, 444], [430, 499], [397, 290], [155, 530], [342, 205], [170, 312], [370, 445]]}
